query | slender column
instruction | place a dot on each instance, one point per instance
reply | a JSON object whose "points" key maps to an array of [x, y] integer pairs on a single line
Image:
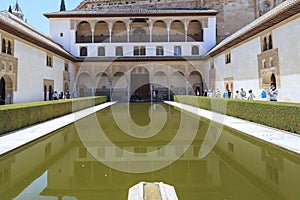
{"points": [[128, 31], [93, 35], [151, 92], [169, 92], [110, 26], [110, 90], [168, 29]]}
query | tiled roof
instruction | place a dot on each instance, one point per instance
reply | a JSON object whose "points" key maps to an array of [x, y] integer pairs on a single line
{"points": [[135, 11], [15, 26], [281, 12]]}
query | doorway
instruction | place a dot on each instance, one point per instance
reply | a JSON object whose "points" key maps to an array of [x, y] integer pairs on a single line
{"points": [[140, 84], [2, 91]]}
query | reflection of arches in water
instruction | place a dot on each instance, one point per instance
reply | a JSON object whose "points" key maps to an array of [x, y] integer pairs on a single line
{"points": [[140, 84], [2, 91], [195, 81]]}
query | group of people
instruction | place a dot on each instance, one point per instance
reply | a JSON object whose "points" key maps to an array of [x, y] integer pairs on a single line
{"points": [[272, 95], [56, 96]]}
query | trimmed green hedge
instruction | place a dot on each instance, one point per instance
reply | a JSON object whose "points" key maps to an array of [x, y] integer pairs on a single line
{"points": [[16, 116], [281, 115]]}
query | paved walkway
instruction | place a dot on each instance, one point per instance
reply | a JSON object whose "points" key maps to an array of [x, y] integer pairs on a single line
{"points": [[284, 139], [21, 137]]}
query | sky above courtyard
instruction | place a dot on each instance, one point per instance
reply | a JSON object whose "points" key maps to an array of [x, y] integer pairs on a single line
{"points": [[34, 9]]}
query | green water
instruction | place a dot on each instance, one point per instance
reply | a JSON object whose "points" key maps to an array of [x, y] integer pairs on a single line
{"points": [[103, 155]]}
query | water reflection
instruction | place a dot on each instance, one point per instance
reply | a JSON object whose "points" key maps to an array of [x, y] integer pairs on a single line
{"points": [[61, 167]]}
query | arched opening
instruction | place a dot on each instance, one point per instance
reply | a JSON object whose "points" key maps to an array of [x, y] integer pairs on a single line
{"points": [[160, 86], [177, 51], [119, 51], [83, 33], [120, 87], [101, 51], [119, 33], [102, 87], [45, 92], [195, 50], [139, 31], [195, 81], [84, 84], [139, 35], [2, 91], [177, 31], [3, 46], [140, 84], [9, 47], [159, 32], [178, 82], [195, 31], [101, 33], [83, 51], [273, 79], [265, 45], [270, 42], [50, 92]]}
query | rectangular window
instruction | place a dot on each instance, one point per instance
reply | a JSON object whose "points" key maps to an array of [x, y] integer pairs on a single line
{"points": [[159, 50], [227, 58], [139, 51], [49, 61], [66, 67], [119, 51], [177, 51]]}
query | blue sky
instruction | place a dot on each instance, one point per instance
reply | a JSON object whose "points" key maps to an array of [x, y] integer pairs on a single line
{"points": [[34, 9]]}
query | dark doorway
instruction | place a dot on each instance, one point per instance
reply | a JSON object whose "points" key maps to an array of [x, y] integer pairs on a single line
{"points": [[50, 92], [273, 79], [45, 92], [2, 91], [140, 84]]}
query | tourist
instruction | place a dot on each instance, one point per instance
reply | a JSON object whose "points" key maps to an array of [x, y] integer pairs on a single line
{"points": [[55, 95], [242, 94], [273, 93], [251, 95], [205, 93], [68, 95], [237, 95]]}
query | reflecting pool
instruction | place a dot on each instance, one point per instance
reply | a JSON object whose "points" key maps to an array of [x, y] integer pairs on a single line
{"points": [[103, 155]]}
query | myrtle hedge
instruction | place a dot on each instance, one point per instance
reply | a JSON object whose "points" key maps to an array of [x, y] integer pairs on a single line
{"points": [[16, 116], [281, 115]]}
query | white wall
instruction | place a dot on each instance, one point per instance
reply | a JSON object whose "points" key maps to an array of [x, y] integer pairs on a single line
{"points": [[32, 71], [243, 67], [286, 39]]}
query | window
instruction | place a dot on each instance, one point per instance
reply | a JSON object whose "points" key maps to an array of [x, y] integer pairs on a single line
{"points": [[66, 67], [195, 50], [139, 51], [61, 34], [119, 51], [83, 51], [227, 58], [177, 51], [270, 42], [9, 48], [3, 66], [3, 46], [159, 51], [101, 51], [49, 61], [267, 43]]}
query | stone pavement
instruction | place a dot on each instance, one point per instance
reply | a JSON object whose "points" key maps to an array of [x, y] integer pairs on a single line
{"points": [[280, 138]]}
